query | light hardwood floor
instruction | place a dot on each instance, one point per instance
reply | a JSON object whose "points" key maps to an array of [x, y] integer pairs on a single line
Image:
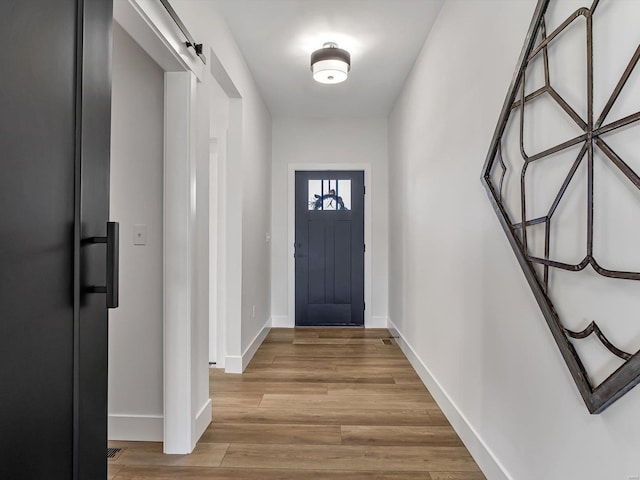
{"points": [[315, 404]]}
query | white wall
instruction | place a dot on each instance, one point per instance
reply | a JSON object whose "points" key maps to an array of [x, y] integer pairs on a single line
{"points": [[135, 327], [246, 271], [323, 141], [457, 294], [256, 219]]}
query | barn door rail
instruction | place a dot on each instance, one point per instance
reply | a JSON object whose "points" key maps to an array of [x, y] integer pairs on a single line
{"points": [[190, 43]]}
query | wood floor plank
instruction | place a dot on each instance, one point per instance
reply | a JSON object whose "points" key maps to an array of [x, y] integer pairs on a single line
{"points": [[457, 476], [373, 389], [379, 369], [113, 470], [272, 434], [345, 350], [323, 416], [310, 376], [292, 370], [333, 402], [337, 341], [353, 333], [165, 472], [279, 336], [204, 473], [348, 457], [311, 362], [437, 417], [275, 387], [232, 399], [399, 435], [146, 453], [406, 378], [265, 361]]}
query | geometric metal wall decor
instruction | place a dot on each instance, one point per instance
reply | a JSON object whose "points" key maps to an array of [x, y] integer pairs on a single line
{"points": [[563, 173]]}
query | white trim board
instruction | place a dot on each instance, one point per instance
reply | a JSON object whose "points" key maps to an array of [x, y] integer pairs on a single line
{"points": [[237, 364], [214, 331], [142, 428], [281, 321], [179, 244], [202, 421], [149, 24], [378, 322], [481, 453], [291, 234]]}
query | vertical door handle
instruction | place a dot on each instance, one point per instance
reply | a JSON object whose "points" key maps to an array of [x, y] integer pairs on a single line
{"points": [[113, 260]]}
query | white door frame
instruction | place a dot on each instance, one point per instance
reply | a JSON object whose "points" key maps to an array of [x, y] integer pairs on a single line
{"points": [[291, 231], [225, 317], [214, 336], [148, 23]]}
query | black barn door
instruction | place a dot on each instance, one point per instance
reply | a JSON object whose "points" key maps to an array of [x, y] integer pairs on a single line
{"points": [[329, 248], [55, 94]]}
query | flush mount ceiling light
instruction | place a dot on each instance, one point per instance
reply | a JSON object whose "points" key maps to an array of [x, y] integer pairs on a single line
{"points": [[330, 64]]}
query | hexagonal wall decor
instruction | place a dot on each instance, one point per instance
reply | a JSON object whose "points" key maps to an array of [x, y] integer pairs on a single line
{"points": [[562, 176]]}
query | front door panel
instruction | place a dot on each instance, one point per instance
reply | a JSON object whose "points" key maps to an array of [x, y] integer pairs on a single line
{"points": [[329, 248]]}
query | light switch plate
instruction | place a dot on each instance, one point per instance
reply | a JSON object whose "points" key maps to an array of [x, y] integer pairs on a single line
{"points": [[139, 234]]}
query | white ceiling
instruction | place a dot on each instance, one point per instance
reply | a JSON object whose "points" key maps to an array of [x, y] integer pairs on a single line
{"points": [[277, 37]]}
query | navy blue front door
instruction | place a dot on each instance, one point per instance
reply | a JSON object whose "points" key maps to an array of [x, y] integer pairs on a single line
{"points": [[329, 248]]}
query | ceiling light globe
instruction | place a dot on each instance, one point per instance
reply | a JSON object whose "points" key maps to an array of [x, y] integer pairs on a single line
{"points": [[330, 71]]}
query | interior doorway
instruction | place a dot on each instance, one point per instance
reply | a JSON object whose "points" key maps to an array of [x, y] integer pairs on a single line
{"points": [[136, 200], [162, 386]]}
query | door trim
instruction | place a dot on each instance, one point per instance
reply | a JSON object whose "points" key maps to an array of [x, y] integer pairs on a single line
{"points": [[291, 277], [149, 24]]}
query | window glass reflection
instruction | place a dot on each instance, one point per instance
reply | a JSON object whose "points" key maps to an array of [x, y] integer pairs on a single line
{"points": [[329, 195]]}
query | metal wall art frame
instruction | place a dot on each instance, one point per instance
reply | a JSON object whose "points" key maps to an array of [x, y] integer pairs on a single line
{"points": [[536, 268]]}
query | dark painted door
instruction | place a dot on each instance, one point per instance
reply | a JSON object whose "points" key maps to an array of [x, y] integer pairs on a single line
{"points": [[329, 248], [55, 92]]}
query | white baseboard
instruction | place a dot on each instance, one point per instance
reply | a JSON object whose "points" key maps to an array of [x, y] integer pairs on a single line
{"points": [[481, 453], [377, 322], [251, 350], [233, 364], [220, 363], [202, 421], [281, 321], [236, 364], [137, 428]]}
